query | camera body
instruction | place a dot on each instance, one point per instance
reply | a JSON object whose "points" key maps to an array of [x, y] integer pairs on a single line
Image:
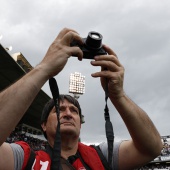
{"points": [[92, 45]]}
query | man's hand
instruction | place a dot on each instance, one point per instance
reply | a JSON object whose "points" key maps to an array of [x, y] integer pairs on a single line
{"points": [[59, 52], [112, 73]]}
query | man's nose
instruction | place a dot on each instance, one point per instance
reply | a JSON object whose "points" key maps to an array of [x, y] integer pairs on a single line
{"points": [[67, 113]]}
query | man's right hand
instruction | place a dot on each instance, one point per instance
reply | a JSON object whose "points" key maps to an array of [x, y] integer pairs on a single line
{"points": [[59, 52]]}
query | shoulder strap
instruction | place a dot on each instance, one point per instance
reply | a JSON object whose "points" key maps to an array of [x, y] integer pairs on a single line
{"points": [[82, 161], [108, 128], [102, 158], [56, 152], [30, 160]]}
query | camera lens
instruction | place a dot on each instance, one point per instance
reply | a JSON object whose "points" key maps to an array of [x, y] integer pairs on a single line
{"points": [[96, 36], [94, 40]]}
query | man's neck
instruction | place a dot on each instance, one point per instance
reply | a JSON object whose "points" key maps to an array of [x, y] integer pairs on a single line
{"points": [[69, 148]]}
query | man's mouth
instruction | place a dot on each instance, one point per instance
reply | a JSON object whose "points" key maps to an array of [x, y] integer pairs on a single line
{"points": [[67, 123]]}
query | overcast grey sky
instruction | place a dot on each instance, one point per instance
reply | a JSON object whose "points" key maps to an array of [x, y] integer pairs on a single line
{"points": [[137, 30]]}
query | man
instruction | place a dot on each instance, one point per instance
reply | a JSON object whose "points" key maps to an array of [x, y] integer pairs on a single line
{"points": [[145, 144]]}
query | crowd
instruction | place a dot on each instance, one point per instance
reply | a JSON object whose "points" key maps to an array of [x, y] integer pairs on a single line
{"points": [[155, 167], [35, 143], [166, 149]]}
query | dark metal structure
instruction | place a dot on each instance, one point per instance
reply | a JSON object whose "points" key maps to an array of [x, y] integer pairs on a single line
{"points": [[11, 71]]}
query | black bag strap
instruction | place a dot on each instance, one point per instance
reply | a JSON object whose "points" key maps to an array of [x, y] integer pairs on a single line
{"points": [[82, 161], [102, 157], [30, 160], [56, 154], [108, 128]]}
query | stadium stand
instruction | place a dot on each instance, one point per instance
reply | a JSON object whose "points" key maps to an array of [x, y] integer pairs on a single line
{"points": [[11, 70], [30, 135]]}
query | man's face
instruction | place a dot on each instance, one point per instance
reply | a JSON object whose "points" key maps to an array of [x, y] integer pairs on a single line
{"points": [[69, 121]]}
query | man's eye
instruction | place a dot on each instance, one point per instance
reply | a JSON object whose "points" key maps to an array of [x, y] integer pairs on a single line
{"points": [[61, 109], [74, 110]]}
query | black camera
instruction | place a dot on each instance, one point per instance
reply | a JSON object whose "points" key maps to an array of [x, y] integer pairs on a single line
{"points": [[92, 45]]}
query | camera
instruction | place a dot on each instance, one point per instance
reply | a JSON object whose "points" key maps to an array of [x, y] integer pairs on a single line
{"points": [[92, 45]]}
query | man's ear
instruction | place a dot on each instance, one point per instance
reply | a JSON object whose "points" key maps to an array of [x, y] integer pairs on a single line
{"points": [[43, 125]]}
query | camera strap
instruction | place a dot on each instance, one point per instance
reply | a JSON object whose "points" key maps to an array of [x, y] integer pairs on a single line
{"points": [[56, 153], [108, 128]]}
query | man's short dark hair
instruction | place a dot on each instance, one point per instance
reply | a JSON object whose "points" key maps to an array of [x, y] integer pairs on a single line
{"points": [[50, 104]]}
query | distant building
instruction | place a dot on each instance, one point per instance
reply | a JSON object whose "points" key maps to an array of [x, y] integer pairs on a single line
{"points": [[21, 60], [12, 67]]}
